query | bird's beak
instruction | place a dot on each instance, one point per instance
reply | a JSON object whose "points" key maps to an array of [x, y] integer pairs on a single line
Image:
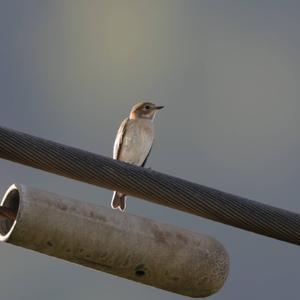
{"points": [[159, 107]]}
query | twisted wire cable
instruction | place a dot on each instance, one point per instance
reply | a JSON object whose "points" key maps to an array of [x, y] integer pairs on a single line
{"points": [[150, 185]]}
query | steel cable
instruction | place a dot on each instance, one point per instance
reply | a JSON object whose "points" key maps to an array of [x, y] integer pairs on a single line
{"points": [[150, 185]]}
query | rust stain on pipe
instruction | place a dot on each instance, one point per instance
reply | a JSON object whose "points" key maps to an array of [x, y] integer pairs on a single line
{"points": [[125, 245]]}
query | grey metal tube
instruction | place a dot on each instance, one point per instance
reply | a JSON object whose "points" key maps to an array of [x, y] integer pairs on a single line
{"points": [[125, 245]]}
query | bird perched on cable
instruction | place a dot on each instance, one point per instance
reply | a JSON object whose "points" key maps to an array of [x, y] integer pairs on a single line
{"points": [[134, 141]]}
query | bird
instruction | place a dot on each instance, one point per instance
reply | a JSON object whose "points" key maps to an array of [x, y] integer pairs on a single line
{"points": [[134, 141]]}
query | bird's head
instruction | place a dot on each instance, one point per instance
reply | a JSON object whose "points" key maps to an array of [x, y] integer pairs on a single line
{"points": [[144, 110]]}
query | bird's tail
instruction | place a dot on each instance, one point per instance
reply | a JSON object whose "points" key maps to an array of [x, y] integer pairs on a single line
{"points": [[118, 201]]}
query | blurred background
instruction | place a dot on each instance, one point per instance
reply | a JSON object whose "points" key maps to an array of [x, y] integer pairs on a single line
{"points": [[228, 73]]}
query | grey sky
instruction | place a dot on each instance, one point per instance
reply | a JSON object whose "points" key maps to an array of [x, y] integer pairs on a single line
{"points": [[228, 73]]}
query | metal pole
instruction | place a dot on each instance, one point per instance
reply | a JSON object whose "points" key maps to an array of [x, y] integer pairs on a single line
{"points": [[136, 248], [150, 185]]}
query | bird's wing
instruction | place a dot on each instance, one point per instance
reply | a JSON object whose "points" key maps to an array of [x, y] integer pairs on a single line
{"points": [[119, 139], [143, 164]]}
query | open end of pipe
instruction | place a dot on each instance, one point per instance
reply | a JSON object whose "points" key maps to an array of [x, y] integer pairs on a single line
{"points": [[11, 203]]}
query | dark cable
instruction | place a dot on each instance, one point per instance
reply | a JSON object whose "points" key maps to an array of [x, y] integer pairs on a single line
{"points": [[150, 185]]}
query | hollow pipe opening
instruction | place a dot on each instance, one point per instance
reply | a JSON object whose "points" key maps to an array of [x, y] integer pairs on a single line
{"points": [[11, 201]]}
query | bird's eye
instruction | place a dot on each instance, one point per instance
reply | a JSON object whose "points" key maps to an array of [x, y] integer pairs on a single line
{"points": [[147, 107]]}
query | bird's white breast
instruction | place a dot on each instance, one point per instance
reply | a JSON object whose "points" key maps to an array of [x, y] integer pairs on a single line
{"points": [[137, 141]]}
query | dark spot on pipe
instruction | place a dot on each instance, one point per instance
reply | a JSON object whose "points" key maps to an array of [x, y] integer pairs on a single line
{"points": [[81, 250], [68, 250], [88, 256], [140, 271], [49, 243]]}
